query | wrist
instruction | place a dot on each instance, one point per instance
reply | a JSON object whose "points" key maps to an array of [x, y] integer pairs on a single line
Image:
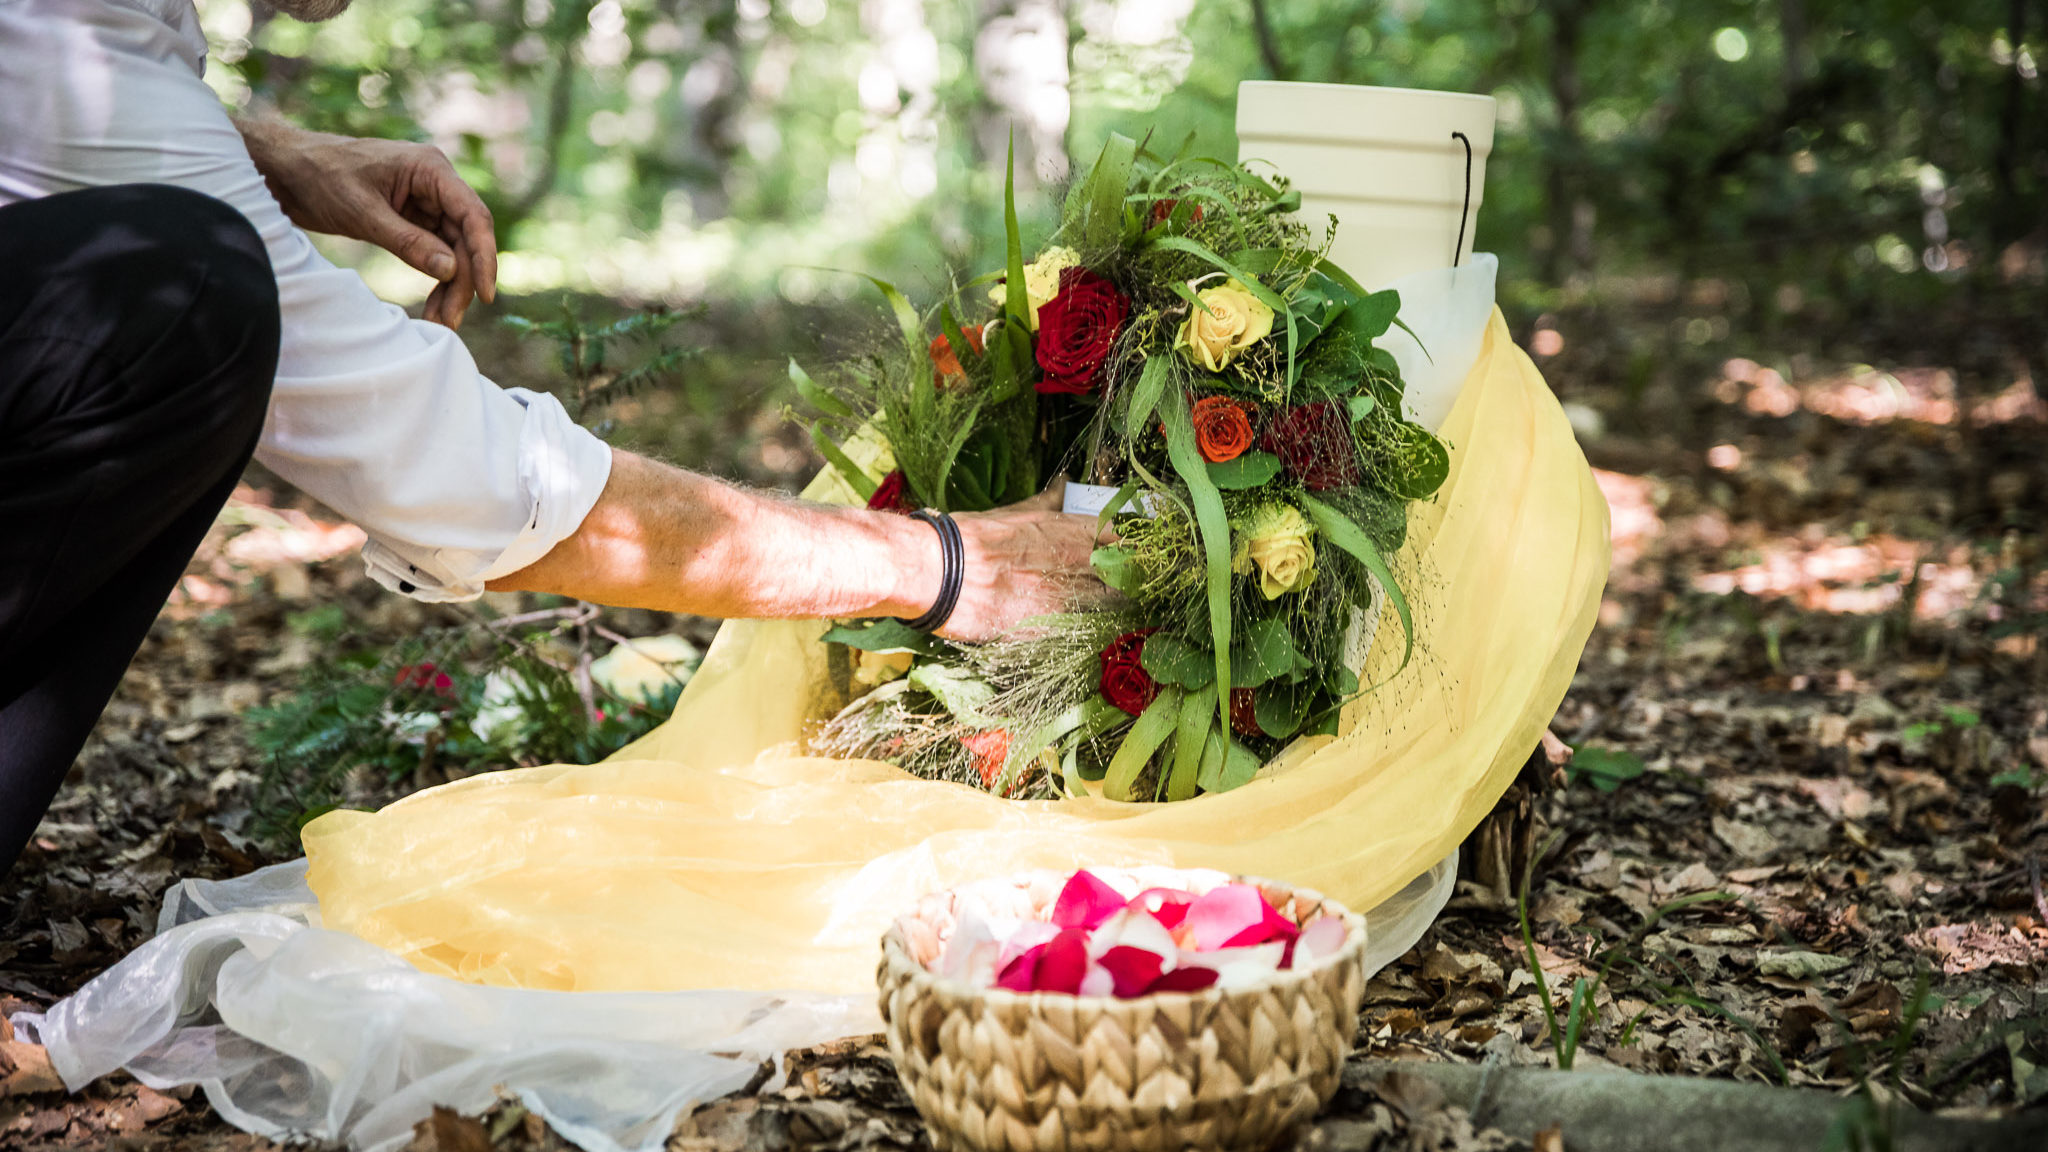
{"points": [[914, 564]]}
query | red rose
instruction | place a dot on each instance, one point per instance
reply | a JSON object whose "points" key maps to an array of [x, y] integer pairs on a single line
{"points": [[891, 495], [1314, 442], [1244, 718], [1076, 329], [1125, 683]]}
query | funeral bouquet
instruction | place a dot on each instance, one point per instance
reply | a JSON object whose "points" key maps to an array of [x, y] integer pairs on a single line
{"points": [[1183, 348]]}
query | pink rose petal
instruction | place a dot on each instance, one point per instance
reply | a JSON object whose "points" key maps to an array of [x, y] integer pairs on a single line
{"points": [[1085, 902], [1169, 906], [1021, 974], [1324, 936], [1098, 982], [1240, 967], [1063, 964], [1135, 930], [1223, 914], [1134, 970], [1028, 934], [1273, 926]]}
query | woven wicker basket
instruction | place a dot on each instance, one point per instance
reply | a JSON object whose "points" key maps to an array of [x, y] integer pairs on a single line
{"points": [[992, 1070]]}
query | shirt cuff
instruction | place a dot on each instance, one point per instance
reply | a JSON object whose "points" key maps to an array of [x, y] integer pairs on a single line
{"points": [[563, 469]]}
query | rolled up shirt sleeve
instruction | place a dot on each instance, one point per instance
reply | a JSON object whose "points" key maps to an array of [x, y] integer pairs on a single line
{"points": [[387, 420], [383, 418]]}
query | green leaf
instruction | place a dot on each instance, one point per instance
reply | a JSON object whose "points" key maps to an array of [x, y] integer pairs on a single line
{"points": [[1116, 505], [1340, 681], [1338, 529], [1171, 659], [956, 337], [1153, 727], [1016, 302], [1035, 741], [813, 395], [1197, 720], [1118, 569], [1102, 195], [1251, 470], [1605, 768], [1268, 653], [1280, 707], [2025, 776], [1362, 405], [1226, 764], [854, 473], [1213, 525], [1097, 717], [943, 487], [958, 691], [1145, 396], [1370, 318], [1426, 463], [885, 636], [1008, 349]]}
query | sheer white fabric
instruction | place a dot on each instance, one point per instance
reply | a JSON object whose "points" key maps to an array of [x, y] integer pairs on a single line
{"points": [[293, 1031]]}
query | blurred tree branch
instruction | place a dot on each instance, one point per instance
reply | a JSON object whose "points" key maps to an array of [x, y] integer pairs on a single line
{"points": [[1269, 45]]}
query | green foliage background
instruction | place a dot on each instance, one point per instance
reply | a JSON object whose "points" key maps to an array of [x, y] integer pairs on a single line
{"points": [[1871, 171]]}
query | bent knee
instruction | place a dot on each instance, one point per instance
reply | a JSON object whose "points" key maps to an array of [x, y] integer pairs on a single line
{"points": [[145, 301]]}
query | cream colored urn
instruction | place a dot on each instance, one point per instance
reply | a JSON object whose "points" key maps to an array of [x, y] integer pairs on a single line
{"points": [[1392, 164]]}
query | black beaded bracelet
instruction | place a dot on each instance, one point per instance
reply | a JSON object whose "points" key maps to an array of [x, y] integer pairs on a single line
{"points": [[953, 571]]}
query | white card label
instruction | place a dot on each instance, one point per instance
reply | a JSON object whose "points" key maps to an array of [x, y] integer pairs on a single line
{"points": [[1091, 499]]}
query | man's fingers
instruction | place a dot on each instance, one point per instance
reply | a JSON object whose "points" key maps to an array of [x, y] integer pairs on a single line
{"points": [[480, 237], [466, 222], [418, 247], [1050, 500], [436, 308]]}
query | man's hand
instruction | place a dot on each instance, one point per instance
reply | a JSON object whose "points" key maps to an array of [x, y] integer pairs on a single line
{"points": [[404, 198], [1029, 559]]}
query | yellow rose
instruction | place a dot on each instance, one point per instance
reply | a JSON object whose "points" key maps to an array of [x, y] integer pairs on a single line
{"points": [[873, 669], [1279, 541], [1235, 321], [1042, 280]]}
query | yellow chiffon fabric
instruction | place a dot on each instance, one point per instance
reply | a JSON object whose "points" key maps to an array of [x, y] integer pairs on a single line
{"points": [[711, 854]]}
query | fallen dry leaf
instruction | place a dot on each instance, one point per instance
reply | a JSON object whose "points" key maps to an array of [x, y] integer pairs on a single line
{"points": [[25, 1069]]}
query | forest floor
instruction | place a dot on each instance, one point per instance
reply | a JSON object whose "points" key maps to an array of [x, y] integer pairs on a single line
{"points": [[1802, 841]]}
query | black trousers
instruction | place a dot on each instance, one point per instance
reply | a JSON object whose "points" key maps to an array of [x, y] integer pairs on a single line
{"points": [[138, 342]]}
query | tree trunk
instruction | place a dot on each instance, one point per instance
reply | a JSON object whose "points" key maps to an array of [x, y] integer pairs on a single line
{"points": [[1571, 220], [1623, 1112]]}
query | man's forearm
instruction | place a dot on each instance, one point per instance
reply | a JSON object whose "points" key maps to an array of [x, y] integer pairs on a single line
{"points": [[663, 538]]}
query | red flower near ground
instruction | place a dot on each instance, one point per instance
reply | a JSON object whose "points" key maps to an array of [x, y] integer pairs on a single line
{"points": [[944, 362], [891, 495], [1076, 330], [1314, 442], [990, 749], [1243, 719], [1125, 683], [1223, 428], [425, 677]]}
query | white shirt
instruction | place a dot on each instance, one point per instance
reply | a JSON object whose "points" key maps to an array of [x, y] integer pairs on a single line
{"points": [[381, 417]]}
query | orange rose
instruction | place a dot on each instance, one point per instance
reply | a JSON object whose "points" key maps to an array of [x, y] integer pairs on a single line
{"points": [[1223, 429], [991, 749], [944, 362]]}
